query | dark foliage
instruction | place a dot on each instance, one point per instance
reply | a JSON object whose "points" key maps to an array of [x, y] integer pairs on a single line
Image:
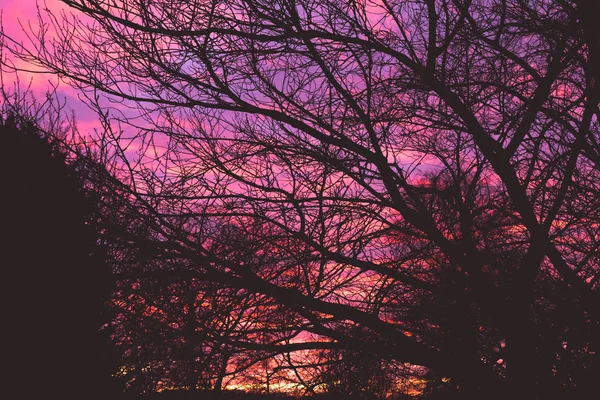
{"points": [[54, 284]]}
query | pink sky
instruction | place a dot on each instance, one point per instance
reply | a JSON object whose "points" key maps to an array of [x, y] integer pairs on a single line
{"points": [[19, 14]]}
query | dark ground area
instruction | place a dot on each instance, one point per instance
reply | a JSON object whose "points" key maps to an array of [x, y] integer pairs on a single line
{"points": [[225, 395], [238, 395]]}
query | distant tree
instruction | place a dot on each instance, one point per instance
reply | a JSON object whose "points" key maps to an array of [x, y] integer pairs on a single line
{"points": [[177, 332], [359, 375], [54, 281], [426, 170]]}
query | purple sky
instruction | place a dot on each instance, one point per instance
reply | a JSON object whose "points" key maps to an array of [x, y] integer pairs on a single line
{"points": [[20, 14]]}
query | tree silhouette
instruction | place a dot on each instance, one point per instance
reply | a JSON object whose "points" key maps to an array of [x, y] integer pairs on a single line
{"points": [[54, 283], [425, 171]]}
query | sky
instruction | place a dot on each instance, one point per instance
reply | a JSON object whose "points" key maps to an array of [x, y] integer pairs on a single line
{"points": [[20, 14]]}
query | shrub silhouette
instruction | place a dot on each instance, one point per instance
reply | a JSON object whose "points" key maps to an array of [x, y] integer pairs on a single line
{"points": [[53, 282]]}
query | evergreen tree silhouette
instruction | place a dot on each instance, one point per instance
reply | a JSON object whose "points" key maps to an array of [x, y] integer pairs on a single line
{"points": [[53, 283]]}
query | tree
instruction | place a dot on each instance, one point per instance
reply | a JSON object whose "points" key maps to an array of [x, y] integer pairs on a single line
{"points": [[361, 375], [425, 170], [55, 283]]}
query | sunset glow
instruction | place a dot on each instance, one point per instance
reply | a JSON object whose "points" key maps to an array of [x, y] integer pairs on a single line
{"points": [[371, 199]]}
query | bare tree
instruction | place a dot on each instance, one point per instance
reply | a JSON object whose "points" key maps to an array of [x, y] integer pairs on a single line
{"points": [[427, 170]]}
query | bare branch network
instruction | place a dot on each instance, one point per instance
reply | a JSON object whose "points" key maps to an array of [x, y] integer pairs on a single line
{"points": [[417, 179]]}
